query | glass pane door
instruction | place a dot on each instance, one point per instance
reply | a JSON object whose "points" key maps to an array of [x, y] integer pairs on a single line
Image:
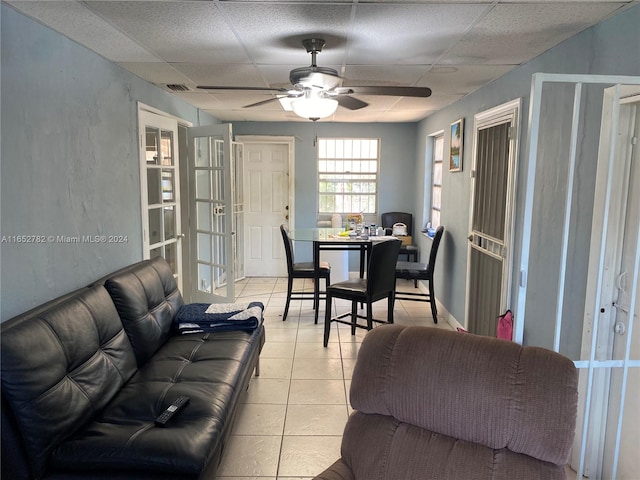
{"points": [[212, 214], [238, 209], [160, 193]]}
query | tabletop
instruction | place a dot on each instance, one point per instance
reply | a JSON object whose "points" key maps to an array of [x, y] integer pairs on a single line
{"points": [[333, 235]]}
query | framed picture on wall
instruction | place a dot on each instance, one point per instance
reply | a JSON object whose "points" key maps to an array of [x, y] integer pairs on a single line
{"points": [[455, 151]]}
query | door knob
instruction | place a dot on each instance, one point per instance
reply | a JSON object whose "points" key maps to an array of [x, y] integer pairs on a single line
{"points": [[470, 237]]}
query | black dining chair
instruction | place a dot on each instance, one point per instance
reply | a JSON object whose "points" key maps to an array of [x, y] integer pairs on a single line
{"points": [[303, 270], [388, 219], [379, 284], [420, 271]]}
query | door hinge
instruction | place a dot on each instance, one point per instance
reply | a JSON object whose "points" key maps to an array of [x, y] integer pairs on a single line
{"points": [[634, 140]]}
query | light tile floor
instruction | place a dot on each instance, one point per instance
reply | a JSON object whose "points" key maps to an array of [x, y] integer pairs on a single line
{"points": [[291, 421]]}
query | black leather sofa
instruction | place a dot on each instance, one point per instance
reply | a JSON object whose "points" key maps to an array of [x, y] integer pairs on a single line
{"points": [[85, 375]]}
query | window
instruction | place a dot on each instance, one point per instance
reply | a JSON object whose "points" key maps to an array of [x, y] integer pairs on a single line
{"points": [[347, 175], [436, 184]]}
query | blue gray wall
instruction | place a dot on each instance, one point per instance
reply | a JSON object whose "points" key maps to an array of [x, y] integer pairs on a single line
{"points": [[397, 156], [395, 181], [69, 161], [609, 48], [70, 157]]}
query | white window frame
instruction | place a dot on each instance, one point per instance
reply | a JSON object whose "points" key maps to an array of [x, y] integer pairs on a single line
{"points": [[343, 153], [437, 158]]}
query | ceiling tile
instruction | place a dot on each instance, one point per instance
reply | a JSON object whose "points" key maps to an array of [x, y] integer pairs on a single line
{"points": [[408, 33], [435, 102], [461, 79], [77, 22], [157, 73], [233, 75], [191, 32], [450, 46], [513, 34], [273, 33]]}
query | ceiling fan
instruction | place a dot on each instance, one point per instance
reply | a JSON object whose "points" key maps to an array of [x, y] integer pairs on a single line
{"points": [[317, 91]]}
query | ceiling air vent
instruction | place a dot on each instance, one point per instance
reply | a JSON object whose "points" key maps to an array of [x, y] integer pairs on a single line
{"points": [[176, 87]]}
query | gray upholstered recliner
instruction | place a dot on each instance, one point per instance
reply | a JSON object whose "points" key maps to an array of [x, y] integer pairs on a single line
{"points": [[435, 404]]}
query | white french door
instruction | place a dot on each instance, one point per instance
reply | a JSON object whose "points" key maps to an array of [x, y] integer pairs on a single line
{"points": [[212, 214], [491, 225], [160, 192], [237, 168]]}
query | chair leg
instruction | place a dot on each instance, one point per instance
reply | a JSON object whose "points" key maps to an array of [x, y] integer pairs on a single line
{"points": [[316, 298], [369, 315], [286, 305], [327, 319], [316, 290], [432, 301], [390, 303], [354, 316]]}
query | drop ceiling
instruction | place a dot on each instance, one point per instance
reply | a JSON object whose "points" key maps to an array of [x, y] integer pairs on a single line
{"points": [[452, 47]]}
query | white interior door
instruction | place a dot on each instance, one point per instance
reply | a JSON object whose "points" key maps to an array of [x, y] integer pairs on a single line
{"points": [[266, 189], [211, 206], [490, 245], [160, 192]]}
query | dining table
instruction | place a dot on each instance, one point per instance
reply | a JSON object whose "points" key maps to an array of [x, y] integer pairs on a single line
{"points": [[336, 239]]}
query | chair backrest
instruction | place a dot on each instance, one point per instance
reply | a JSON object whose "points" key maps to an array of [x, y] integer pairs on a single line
{"points": [[418, 391], [382, 267], [389, 218], [434, 249], [288, 248]]}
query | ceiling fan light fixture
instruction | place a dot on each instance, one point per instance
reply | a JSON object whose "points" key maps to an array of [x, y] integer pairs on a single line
{"points": [[314, 108]]}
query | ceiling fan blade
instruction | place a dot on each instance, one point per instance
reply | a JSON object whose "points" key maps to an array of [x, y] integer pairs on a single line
{"points": [[263, 102], [258, 89], [387, 90], [350, 103]]}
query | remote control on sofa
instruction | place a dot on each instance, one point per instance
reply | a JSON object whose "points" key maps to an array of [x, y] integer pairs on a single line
{"points": [[171, 410]]}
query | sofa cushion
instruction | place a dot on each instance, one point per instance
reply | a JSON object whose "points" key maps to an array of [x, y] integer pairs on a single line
{"points": [[211, 369], [61, 364], [478, 389], [147, 298]]}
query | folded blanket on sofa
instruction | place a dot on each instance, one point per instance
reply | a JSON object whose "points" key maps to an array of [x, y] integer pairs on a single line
{"points": [[218, 317]]}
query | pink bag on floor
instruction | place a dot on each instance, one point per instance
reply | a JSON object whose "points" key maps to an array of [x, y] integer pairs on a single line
{"points": [[505, 326]]}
